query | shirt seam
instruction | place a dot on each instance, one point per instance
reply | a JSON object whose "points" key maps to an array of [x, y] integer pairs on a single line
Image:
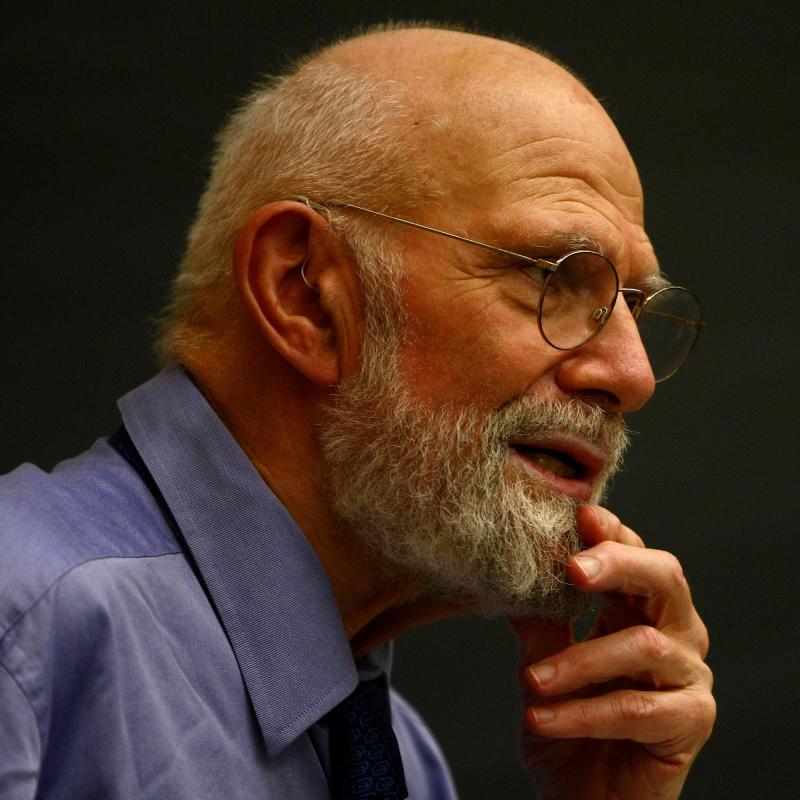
{"points": [[63, 575]]}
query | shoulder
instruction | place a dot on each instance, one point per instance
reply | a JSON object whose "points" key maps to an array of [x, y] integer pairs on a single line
{"points": [[85, 550], [89, 508], [427, 773]]}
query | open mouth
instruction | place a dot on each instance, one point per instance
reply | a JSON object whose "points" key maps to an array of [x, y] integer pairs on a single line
{"points": [[555, 461]]}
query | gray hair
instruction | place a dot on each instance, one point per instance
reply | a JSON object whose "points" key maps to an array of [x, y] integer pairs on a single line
{"points": [[319, 131]]}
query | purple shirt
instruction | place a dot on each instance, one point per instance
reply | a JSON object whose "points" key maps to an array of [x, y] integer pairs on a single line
{"points": [[137, 661]]}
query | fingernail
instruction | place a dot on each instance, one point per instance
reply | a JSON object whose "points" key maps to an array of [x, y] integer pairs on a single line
{"points": [[542, 674], [588, 565], [543, 715]]}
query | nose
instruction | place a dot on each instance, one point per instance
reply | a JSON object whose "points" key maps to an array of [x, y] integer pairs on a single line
{"points": [[613, 368]]}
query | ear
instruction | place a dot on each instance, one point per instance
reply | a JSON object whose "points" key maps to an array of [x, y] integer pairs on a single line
{"points": [[312, 320]]}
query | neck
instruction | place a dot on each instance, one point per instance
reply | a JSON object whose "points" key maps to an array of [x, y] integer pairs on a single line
{"points": [[274, 421]]}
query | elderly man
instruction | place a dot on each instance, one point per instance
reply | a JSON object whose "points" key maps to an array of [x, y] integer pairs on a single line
{"points": [[415, 304]]}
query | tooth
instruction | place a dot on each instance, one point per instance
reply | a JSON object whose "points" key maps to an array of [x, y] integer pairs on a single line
{"points": [[553, 465]]}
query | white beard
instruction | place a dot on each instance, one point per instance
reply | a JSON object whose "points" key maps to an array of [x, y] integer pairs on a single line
{"points": [[436, 494]]}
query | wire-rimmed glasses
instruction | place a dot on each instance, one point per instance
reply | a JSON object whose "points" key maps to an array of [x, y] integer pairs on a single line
{"points": [[576, 293]]}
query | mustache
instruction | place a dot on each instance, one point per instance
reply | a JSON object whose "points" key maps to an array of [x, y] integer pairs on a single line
{"points": [[574, 418]]}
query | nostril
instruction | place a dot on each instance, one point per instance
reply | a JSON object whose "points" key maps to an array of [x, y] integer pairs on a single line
{"points": [[607, 401]]}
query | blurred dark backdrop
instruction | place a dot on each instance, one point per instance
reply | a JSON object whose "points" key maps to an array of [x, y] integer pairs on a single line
{"points": [[108, 113]]}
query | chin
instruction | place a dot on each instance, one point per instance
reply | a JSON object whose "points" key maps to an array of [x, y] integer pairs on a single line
{"points": [[565, 606]]}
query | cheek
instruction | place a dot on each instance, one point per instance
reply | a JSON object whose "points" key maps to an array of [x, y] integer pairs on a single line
{"points": [[485, 361]]}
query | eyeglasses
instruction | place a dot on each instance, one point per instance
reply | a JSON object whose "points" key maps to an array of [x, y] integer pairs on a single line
{"points": [[575, 295]]}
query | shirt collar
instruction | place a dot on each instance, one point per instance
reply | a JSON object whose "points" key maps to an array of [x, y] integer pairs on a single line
{"points": [[270, 590]]}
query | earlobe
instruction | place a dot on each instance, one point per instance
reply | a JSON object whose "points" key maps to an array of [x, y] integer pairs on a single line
{"points": [[286, 269]]}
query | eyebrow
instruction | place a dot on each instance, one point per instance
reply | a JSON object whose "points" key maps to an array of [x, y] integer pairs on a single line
{"points": [[581, 241], [543, 247], [569, 241], [577, 241], [652, 283]]}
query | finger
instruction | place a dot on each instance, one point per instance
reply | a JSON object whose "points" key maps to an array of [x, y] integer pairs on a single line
{"points": [[670, 723], [641, 653], [597, 524], [655, 576]]}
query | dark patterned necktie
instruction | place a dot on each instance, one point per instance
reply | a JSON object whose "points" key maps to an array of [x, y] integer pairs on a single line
{"points": [[365, 758]]}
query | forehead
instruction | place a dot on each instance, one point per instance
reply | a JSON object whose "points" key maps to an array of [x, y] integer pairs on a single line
{"points": [[539, 163], [563, 203]]}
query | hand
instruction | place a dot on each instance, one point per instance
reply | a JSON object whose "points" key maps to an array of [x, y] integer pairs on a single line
{"points": [[624, 713]]}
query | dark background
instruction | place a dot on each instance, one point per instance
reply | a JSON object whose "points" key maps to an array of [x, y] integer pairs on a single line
{"points": [[108, 113]]}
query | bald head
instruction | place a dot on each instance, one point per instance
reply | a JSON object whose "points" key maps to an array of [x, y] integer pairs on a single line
{"points": [[471, 97], [412, 56]]}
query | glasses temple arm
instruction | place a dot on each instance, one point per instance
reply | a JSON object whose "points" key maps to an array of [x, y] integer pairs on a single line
{"points": [[539, 262]]}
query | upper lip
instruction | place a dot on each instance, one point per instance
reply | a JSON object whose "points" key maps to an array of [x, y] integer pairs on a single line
{"points": [[589, 459]]}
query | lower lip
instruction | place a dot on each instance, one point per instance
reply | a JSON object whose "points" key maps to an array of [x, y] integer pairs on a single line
{"points": [[573, 487]]}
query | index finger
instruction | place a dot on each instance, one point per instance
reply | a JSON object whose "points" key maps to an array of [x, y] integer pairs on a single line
{"points": [[597, 524], [654, 577]]}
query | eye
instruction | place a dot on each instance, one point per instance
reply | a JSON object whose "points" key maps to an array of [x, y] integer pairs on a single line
{"points": [[534, 287], [537, 274]]}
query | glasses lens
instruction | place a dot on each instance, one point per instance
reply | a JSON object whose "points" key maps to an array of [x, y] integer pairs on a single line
{"points": [[578, 298], [669, 325]]}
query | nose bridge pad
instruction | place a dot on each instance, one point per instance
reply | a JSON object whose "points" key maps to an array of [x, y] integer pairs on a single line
{"points": [[634, 299], [600, 315], [615, 322], [630, 305]]}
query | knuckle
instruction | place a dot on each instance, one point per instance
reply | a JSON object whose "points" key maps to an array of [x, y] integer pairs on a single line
{"points": [[707, 676], [635, 706], [703, 642], [676, 576], [701, 715], [651, 643]]}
